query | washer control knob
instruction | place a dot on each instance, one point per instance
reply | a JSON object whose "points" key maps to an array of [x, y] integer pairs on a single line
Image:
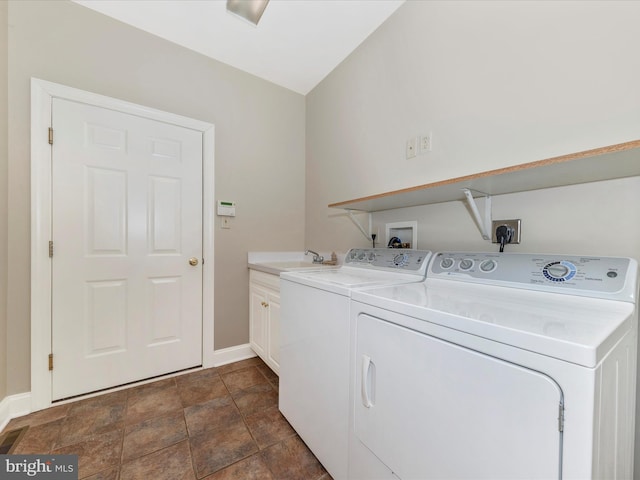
{"points": [[353, 254], [446, 263], [488, 266], [400, 260], [466, 264], [371, 257], [361, 256]]}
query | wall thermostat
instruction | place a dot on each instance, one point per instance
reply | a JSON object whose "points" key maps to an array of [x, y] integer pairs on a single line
{"points": [[226, 209]]}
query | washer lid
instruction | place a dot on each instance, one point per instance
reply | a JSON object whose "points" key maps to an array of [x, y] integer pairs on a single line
{"points": [[342, 280], [570, 328]]}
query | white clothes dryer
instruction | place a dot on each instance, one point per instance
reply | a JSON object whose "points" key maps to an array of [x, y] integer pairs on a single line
{"points": [[314, 344], [497, 366]]}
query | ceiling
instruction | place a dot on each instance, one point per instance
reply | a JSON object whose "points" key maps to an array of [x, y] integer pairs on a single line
{"points": [[295, 45]]}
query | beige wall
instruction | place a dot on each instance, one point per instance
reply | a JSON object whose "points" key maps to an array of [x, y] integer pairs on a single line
{"points": [[259, 150], [3, 198], [497, 83], [588, 219]]}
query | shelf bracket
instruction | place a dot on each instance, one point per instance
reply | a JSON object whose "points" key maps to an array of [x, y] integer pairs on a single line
{"points": [[483, 225], [360, 227]]}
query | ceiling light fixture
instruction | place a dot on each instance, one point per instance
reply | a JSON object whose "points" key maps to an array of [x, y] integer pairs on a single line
{"points": [[250, 10]]}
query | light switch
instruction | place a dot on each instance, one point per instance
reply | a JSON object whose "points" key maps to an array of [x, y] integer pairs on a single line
{"points": [[412, 145]]}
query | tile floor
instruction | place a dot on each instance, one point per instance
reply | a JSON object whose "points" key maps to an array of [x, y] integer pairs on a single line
{"points": [[215, 424]]}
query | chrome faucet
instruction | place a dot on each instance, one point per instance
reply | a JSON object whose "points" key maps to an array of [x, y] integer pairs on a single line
{"points": [[317, 258]]}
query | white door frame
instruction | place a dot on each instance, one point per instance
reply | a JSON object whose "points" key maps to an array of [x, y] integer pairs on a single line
{"points": [[42, 93]]}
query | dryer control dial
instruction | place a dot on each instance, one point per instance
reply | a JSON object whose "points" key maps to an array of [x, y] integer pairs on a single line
{"points": [[488, 266], [466, 264], [447, 262], [560, 271]]}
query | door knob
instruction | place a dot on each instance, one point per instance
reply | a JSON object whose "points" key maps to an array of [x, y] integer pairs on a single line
{"points": [[193, 261]]}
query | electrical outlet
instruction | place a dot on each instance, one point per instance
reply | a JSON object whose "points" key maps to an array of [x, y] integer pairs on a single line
{"points": [[514, 224], [411, 147], [425, 143]]}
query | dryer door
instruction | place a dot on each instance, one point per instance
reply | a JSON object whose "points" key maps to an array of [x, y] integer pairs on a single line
{"points": [[430, 409]]}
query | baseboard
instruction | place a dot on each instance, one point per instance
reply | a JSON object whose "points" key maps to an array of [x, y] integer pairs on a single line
{"points": [[232, 354], [14, 406]]}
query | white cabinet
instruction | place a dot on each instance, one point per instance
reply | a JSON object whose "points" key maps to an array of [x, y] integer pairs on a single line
{"points": [[264, 317]]}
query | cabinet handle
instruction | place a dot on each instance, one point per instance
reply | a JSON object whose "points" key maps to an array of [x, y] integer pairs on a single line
{"points": [[366, 366], [264, 304]]}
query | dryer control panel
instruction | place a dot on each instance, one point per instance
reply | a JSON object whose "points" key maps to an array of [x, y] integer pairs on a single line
{"points": [[603, 277]]}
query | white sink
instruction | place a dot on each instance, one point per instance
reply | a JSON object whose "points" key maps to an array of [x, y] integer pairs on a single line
{"points": [[278, 262]]}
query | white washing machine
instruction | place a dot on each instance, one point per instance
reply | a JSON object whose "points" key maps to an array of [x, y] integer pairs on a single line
{"points": [[497, 366], [314, 344]]}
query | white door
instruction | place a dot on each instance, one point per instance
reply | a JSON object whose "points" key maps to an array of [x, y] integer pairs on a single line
{"points": [[429, 409], [127, 218]]}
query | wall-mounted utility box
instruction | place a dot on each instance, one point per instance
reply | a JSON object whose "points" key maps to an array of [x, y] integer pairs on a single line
{"points": [[406, 232], [516, 227], [226, 209]]}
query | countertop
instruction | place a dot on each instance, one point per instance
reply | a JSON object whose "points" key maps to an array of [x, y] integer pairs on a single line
{"points": [[277, 262]]}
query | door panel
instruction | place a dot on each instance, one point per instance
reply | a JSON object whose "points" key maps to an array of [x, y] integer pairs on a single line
{"points": [[165, 309], [106, 212], [106, 316], [164, 215], [257, 320], [127, 216], [274, 330], [429, 409]]}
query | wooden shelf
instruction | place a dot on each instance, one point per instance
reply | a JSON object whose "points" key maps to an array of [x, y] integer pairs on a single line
{"points": [[607, 163]]}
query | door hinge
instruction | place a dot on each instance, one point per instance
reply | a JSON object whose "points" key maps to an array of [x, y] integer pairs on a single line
{"points": [[50, 361], [50, 248], [561, 417], [50, 136]]}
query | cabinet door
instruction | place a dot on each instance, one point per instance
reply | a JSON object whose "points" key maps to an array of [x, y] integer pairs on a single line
{"points": [[430, 409], [257, 320], [273, 350]]}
